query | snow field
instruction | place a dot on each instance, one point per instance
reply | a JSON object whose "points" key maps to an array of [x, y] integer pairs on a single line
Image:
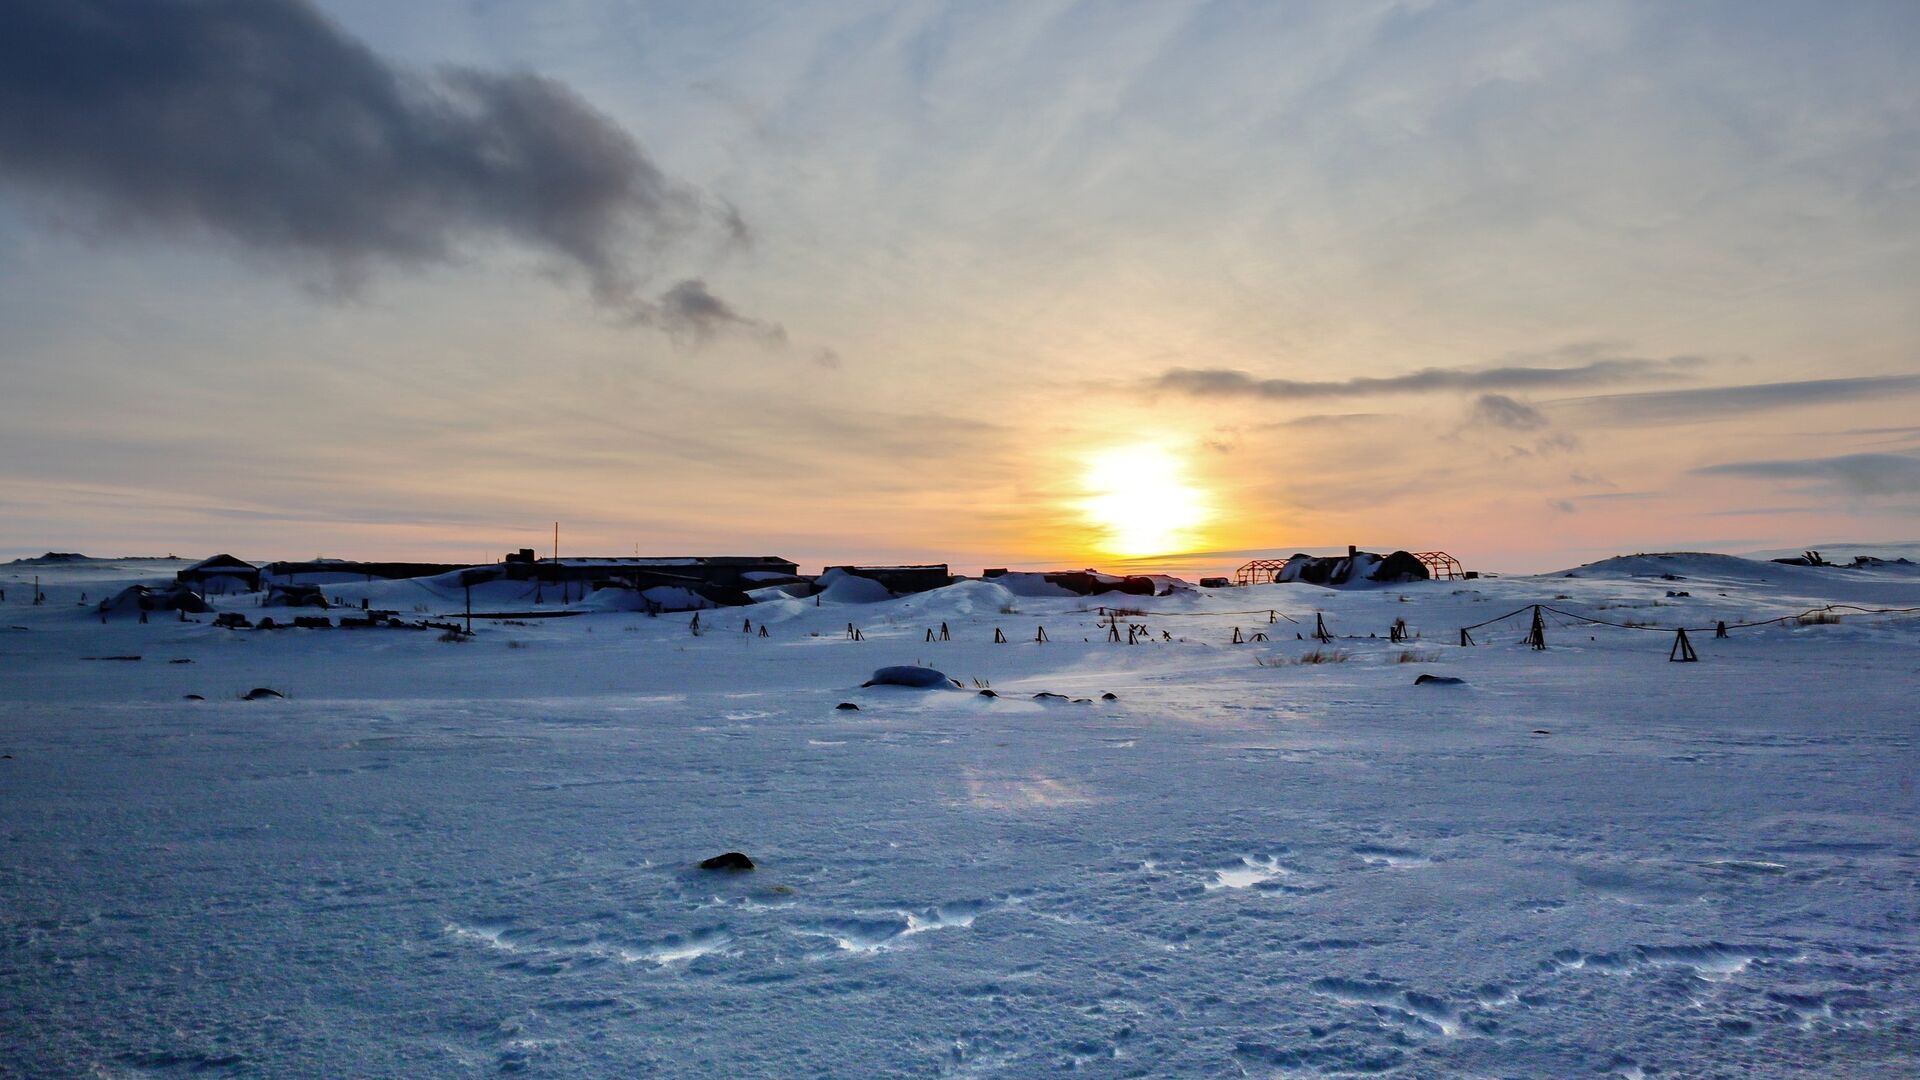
{"points": [[449, 859]]}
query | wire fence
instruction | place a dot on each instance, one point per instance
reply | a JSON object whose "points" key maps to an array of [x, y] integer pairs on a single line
{"points": [[1807, 615]]}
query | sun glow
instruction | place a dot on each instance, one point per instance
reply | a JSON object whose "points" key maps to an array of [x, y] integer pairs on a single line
{"points": [[1140, 501]]}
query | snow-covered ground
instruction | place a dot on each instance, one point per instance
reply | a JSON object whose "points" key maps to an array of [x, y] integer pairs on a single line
{"points": [[455, 858]]}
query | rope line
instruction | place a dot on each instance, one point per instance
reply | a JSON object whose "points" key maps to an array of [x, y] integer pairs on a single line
{"points": [[1828, 608], [1184, 614]]}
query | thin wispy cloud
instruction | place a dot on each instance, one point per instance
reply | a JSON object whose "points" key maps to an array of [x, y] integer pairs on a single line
{"points": [[1707, 402], [1850, 474], [1232, 383]]}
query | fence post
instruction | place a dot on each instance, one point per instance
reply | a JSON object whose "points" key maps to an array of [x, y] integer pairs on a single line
{"points": [[1320, 633], [1682, 649], [1720, 629], [1465, 638], [999, 638], [1537, 635]]}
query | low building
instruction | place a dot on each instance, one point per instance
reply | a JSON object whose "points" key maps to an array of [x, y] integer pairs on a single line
{"points": [[220, 574], [902, 579], [740, 572], [137, 599], [329, 571], [295, 596]]}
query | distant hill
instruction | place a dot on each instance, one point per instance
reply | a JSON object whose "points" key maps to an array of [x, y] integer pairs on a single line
{"points": [[70, 558]]}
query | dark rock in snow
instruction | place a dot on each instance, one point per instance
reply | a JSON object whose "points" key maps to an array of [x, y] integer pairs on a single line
{"points": [[732, 860], [988, 693], [919, 678], [1438, 680], [1541, 731], [847, 706], [182, 660], [1046, 696], [261, 693], [1109, 696]]}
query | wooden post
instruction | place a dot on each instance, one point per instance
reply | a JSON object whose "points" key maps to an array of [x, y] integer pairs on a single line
{"points": [[1682, 649], [468, 586], [1465, 639], [1237, 640], [999, 638], [1320, 633], [1720, 629], [1537, 634], [1040, 635]]}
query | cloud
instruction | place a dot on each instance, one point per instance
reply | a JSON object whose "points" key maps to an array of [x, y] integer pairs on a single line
{"points": [[1227, 382], [689, 312], [1501, 411], [1322, 420], [1679, 406], [262, 124], [1545, 446], [1854, 474]]}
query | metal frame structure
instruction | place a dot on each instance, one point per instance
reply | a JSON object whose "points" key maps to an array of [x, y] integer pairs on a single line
{"points": [[1258, 572], [1441, 565]]}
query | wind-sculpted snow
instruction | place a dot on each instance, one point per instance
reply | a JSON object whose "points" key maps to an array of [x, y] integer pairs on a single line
{"points": [[469, 857]]}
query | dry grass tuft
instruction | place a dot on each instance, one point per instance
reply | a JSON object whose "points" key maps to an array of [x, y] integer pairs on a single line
{"points": [[1324, 656]]}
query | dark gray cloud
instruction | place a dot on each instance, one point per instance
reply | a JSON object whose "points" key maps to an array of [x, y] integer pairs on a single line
{"points": [[1853, 474], [689, 312], [1681, 406], [261, 123], [1227, 382], [1501, 411]]}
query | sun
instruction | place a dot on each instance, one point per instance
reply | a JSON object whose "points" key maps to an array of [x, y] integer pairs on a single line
{"points": [[1139, 500]]}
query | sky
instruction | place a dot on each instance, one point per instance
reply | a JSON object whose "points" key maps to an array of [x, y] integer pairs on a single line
{"points": [[1027, 284]]}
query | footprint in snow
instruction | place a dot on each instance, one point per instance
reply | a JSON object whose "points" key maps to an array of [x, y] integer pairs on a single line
{"points": [[675, 948], [874, 933], [1418, 1013], [1378, 855], [1247, 873], [1710, 961]]}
